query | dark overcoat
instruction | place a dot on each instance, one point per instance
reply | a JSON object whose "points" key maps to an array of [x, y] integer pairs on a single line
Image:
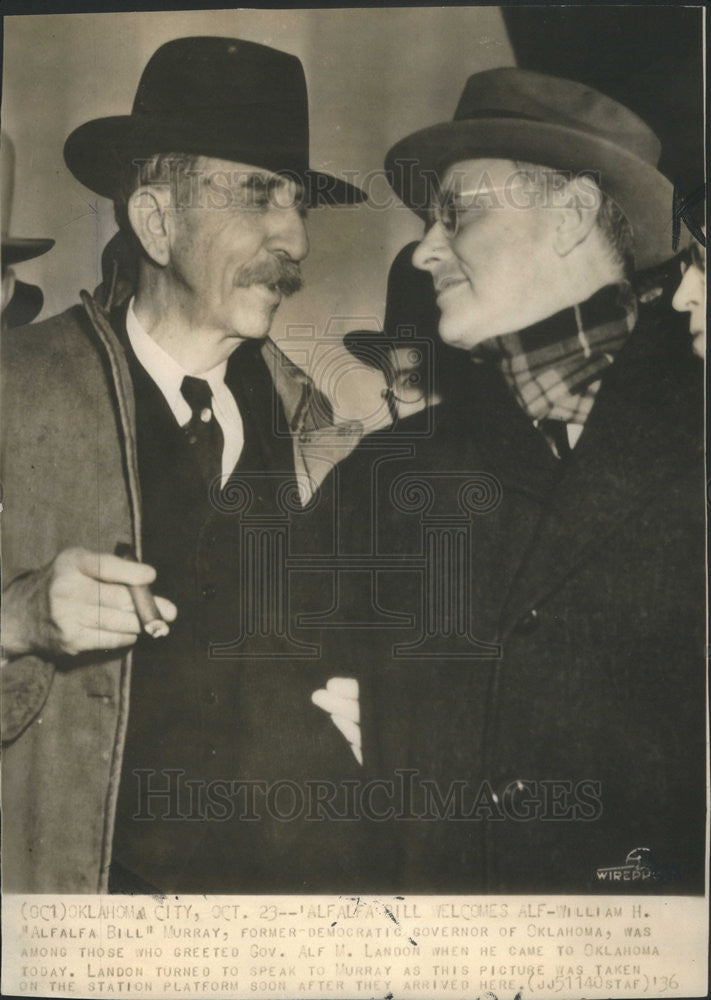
{"points": [[553, 661]]}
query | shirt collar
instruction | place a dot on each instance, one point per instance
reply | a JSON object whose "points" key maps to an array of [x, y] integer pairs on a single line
{"points": [[165, 371]]}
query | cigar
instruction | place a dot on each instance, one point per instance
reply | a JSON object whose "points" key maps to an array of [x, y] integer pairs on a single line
{"points": [[146, 608]]}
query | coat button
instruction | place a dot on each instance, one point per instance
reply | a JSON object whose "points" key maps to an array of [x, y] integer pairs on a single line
{"points": [[528, 623]]}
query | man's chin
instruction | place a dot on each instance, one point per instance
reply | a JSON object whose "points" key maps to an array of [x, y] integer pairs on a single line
{"points": [[456, 333], [253, 325], [257, 333]]}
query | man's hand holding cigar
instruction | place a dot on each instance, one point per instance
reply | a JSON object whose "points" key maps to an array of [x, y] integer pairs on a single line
{"points": [[81, 601]]}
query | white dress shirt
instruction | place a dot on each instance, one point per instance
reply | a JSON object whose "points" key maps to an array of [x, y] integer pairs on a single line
{"points": [[574, 431], [168, 375]]}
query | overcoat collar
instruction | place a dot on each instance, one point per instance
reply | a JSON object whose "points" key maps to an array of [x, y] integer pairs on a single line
{"points": [[646, 427], [510, 446]]}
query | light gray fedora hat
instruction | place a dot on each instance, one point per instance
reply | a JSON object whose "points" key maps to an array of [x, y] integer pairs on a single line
{"points": [[516, 114]]}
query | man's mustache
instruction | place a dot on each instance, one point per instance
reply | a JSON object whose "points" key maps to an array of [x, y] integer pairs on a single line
{"points": [[285, 275]]}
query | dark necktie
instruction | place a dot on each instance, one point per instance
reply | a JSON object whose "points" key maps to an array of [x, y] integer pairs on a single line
{"points": [[556, 434], [203, 432]]}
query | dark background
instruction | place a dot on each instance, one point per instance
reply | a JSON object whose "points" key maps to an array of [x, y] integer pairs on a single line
{"points": [[649, 58]]}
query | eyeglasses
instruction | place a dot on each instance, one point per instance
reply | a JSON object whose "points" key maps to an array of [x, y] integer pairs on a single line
{"points": [[446, 209], [452, 209], [524, 188]]}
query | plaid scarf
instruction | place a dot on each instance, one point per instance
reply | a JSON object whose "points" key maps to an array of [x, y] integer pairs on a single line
{"points": [[554, 367]]}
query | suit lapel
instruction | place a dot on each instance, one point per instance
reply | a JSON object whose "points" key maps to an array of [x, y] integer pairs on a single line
{"points": [[645, 427]]}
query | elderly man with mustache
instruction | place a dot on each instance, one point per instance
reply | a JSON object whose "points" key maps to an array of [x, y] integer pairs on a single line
{"points": [[133, 422]]}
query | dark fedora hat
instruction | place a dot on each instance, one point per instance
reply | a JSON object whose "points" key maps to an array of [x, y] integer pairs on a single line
{"points": [[411, 322], [411, 314], [517, 114], [218, 97], [15, 249]]}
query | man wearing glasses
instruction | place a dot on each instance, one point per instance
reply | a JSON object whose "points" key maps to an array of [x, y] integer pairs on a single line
{"points": [[564, 727], [138, 425]]}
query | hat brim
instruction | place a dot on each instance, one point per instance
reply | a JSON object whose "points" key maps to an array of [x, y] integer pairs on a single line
{"points": [[370, 347], [15, 249], [24, 306], [98, 151], [641, 191]]}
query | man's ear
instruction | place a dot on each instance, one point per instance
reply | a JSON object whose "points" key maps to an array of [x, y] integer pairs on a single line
{"points": [[148, 213], [581, 200]]}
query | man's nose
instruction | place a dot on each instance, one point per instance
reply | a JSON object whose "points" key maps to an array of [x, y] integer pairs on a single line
{"points": [[687, 294], [287, 233], [433, 248]]}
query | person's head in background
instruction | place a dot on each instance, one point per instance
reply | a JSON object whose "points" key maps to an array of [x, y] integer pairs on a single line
{"points": [[690, 296], [21, 302], [417, 366]]}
